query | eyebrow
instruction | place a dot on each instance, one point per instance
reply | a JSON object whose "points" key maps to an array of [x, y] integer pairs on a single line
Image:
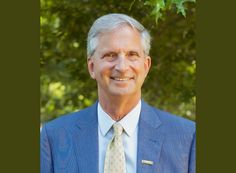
{"points": [[107, 52], [134, 51]]}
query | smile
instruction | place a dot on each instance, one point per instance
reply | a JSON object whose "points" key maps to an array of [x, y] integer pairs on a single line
{"points": [[121, 79]]}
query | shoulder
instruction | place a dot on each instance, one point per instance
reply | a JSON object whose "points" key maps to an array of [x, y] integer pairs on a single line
{"points": [[171, 122], [174, 120], [71, 119]]}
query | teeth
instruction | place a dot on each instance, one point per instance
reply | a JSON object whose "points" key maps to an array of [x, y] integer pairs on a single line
{"points": [[121, 79]]}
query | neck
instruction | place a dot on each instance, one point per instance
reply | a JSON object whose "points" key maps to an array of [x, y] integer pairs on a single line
{"points": [[118, 107]]}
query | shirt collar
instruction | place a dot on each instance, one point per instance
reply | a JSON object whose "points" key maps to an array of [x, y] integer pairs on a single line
{"points": [[129, 122]]}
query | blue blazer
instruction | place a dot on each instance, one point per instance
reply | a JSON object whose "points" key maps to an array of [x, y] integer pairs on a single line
{"points": [[69, 144]]}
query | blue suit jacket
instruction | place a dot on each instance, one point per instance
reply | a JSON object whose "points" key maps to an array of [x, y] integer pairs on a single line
{"points": [[69, 144]]}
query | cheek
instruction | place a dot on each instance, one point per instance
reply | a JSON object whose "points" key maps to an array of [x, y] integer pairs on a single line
{"points": [[140, 68], [141, 73], [102, 70]]}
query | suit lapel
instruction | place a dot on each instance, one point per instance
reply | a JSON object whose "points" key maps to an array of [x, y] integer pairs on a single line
{"points": [[86, 141], [149, 140]]}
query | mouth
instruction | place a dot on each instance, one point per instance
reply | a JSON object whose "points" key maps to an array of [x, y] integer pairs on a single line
{"points": [[121, 78]]}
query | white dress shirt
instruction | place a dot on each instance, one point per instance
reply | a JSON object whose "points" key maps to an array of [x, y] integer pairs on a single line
{"points": [[129, 136]]}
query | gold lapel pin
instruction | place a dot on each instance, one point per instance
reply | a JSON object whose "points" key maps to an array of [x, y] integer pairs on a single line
{"points": [[147, 162]]}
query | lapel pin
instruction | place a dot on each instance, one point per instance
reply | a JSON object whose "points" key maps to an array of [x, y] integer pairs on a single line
{"points": [[147, 162]]}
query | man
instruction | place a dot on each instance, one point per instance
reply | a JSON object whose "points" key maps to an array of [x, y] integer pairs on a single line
{"points": [[120, 133]]}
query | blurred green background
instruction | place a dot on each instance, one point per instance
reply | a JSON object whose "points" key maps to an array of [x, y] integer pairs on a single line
{"points": [[65, 83]]}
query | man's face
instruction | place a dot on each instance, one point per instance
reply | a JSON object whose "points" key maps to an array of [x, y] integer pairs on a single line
{"points": [[119, 64]]}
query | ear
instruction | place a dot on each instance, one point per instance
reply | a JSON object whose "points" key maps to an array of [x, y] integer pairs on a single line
{"points": [[90, 63], [147, 63]]}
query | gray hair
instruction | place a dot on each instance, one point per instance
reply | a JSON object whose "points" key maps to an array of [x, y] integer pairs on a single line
{"points": [[109, 22]]}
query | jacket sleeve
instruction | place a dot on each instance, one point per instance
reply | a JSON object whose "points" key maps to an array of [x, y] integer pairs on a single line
{"points": [[46, 163], [192, 158]]}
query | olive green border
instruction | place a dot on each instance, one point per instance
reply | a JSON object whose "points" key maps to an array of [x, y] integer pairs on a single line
{"points": [[19, 86], [216, 85]]}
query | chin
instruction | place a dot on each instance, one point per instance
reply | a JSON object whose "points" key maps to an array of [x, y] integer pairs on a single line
{"points": [[121, 92]]}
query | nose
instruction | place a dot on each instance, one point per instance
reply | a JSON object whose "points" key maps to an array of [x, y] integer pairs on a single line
{"points": [[121, 63]]}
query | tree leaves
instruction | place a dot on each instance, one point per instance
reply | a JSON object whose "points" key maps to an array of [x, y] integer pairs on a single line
{"points": [[161, 6], [65, 83], [158, 7]]}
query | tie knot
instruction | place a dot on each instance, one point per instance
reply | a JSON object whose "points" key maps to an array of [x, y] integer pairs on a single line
{"points": [[118, 129]]}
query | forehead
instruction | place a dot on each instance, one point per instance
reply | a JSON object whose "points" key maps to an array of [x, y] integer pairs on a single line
{"points": [[123, 38]]}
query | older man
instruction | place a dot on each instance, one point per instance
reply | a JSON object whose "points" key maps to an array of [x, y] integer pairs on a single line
{"points": [[120, 133]]}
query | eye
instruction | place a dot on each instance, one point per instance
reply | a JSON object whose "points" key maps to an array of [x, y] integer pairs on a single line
{"points": [[110, 56], [132, 55]]}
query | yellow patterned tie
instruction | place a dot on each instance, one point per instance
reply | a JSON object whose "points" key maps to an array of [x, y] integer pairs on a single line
{"points": [[115, 155]]}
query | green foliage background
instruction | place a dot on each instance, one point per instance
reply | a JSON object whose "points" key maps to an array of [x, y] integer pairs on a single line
{"points": [[65, 82]]}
